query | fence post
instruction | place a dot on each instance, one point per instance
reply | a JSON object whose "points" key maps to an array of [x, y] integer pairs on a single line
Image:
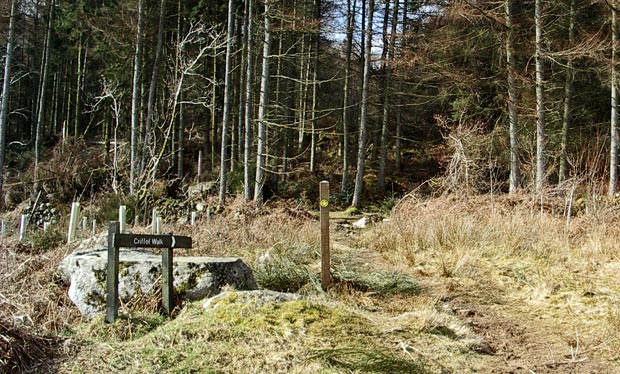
{"points": [[23, 222], [199, 166], [154, 222], [75, 214], [122, 214], [112, 275], [325, 260]]}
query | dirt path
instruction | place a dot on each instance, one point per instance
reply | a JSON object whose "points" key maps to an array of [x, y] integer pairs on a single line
{"points": [[518, 337]]}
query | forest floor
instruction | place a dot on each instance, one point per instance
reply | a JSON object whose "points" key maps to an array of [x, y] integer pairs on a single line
{"points": [[483, 284]]}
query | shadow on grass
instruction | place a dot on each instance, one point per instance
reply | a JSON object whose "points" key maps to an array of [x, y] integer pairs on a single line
{"points": [[383, 283], [369, 361]]}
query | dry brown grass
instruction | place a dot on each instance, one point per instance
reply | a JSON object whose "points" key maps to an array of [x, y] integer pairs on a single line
{"points": [[534, 269]]}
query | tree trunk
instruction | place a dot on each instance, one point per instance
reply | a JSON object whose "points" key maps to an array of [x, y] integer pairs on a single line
{"points": [[226, 116], [304, 71], [180, 144], [345, 97], [150, 105], [262, 111], [42, 97], [386, 97], [213, 130], [541, 137], [515, 168], [361, 146], [613, 154], [568, 97], [4, 99], [241, 89], [315, 87], [78, 90], [137, 71], [247, 185]]}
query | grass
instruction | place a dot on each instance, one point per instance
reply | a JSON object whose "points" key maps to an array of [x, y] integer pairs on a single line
{"points": [[429, 291], [246, 337]]}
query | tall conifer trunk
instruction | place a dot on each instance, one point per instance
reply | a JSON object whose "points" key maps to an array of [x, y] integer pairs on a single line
{"points": [[613, 154], [568, 96], [541, 136], [42, 97], [515, 168], [4, 99], [135, 99], [227, 95], [361, 146], [262, 113], [247, 183]]}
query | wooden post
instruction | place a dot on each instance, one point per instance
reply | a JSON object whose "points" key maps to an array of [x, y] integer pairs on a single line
{"points": [[199, 165], [193, 218], [159, 221], [167, 287], [94, 227], [112, 275], [122, 214], [325, 261], [75, 214], [154, 222], [23, 222]]}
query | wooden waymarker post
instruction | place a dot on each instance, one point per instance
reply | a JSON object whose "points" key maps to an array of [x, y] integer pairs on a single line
{"points": [[117, 240], [325, 260]]}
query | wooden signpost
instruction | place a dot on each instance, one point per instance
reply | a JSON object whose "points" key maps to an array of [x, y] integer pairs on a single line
{"points": [[325, 260], [116, 240]]}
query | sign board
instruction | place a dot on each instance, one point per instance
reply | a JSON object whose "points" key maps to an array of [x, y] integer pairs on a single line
{"points": [[117, 240], [151, 241]]}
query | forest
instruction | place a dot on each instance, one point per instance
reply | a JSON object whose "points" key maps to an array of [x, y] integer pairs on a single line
{"points": [[263, 96], [471, 149]]}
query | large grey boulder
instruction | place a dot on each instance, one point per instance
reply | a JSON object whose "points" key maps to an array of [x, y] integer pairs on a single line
{"points": [[195, 278]]}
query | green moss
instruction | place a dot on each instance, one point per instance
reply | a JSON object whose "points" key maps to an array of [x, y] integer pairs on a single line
{"points": [[283, 337], [192, 280], [352, 211], [95, 298], [101, 277], [123, 269]]}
